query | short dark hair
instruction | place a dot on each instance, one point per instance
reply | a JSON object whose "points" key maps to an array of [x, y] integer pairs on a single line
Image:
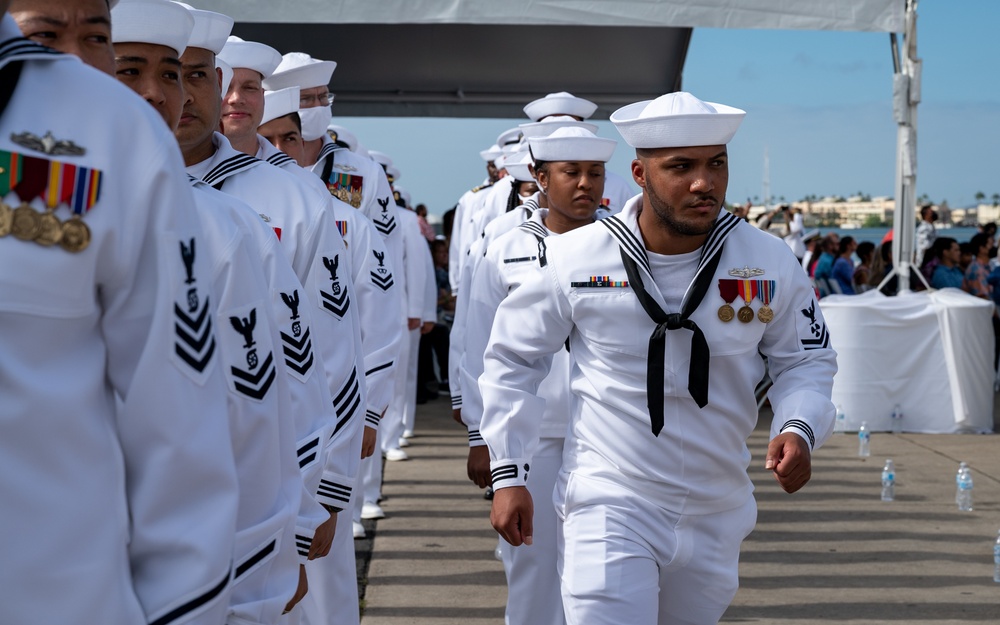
{"points": [[294, 116], [942, 245], [845, 244], [865, 250], [977, 241]]}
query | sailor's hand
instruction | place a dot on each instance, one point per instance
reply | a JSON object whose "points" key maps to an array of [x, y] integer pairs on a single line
{"points": [[478, 466], [300, 592], [368, 442], [788, 456], [323, 538], [511, 514]]}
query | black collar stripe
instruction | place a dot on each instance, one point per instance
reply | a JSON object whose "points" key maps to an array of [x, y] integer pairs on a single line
{"points": [[279, 159], [534, 228], [328, 149], [723, 226], [22, 48], [229, 167], [628, 241]]}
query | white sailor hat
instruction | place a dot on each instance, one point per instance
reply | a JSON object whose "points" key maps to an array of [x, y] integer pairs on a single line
{"points": [[343, 136], [512, 135], [280, 103], [551, 124], [517, 165], [380, 157], [250, 55], [677, 120], [572, 144], [210, 29], [298, 69], [392, 173], [490, 154], [500, 161], [227, 75], [561, 103], [157, 22]]}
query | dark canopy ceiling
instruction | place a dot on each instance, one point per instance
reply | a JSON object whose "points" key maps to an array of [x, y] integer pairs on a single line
{"points": [[474, 70]]}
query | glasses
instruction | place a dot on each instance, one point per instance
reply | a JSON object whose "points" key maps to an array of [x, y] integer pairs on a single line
{"points": [[310, 100]]}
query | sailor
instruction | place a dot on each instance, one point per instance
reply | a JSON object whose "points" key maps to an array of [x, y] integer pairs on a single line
{"points": [[127, 512], [617, 190], [380, 333], [457, 251], [654, 488], [569, 164], [352, 178], [307, 235], [279, 408], [243, 112]]}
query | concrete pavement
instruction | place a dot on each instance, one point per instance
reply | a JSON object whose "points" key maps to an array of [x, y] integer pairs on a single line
{"points": [[833, 553]]}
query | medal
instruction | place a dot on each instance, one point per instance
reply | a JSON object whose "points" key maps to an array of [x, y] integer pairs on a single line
{"points": [[765, 291], [748, 290], [49, 230], [75, 235], [728, 289], [6, 219], [25, 223]]}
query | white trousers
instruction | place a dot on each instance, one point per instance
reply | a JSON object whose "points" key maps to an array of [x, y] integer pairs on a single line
{"points": [[412, 364], [624, 560], [533, 596], [333, 582], [404, 394]]}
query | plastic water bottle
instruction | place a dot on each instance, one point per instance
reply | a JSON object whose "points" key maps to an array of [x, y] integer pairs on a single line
{"points": [[965, 490], [888, 481], [996, 560], [864, 441], [897, 419], [840, 425], [962, 466]]}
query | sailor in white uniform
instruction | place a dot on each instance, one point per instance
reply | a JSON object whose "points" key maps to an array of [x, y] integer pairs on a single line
{"points": [[309, 239], [350, 177], [148, 37], [653, 492], [377, 291], [570, 167], [90, 314], [244, 111]]}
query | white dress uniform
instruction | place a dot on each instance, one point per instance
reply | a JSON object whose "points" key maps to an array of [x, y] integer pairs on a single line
{"points": [[260, 417], [673, 488], [532, 575], [127, 514], [312, 407], [332, 579], [314, 247], [374, 283]]}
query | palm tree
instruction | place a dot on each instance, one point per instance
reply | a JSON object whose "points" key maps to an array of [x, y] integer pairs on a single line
{"points": [[980, 196], [996, 199]]}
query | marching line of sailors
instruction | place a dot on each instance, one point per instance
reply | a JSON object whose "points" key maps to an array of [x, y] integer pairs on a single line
{"points": [[213, 309]]}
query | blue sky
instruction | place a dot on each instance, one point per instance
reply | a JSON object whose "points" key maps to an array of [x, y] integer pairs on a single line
{"points": [[818, 102]]}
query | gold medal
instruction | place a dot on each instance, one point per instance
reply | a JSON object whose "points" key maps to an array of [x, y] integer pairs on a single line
{"points": [[75, 235], [25, 223], [49, 229], [745, 314], [765, 314], [726, 313], [6, 219]]}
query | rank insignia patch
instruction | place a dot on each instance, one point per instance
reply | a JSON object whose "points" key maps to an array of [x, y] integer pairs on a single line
{"points": [[336, 300], [600, 282], [250, 358], [296, 342], [381, 276], [820, 338], [194, 341], [384, 223]]}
